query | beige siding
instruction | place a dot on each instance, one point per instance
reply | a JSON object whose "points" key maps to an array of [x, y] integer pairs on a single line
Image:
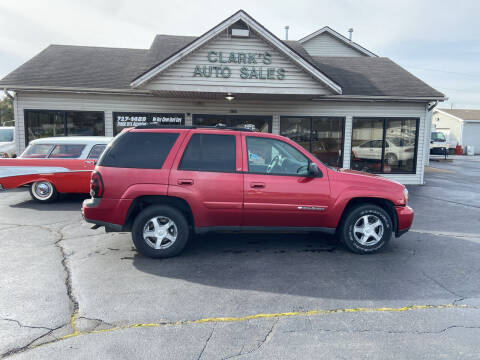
{"points": [[180, 76], [111, 103], [327, 45]]}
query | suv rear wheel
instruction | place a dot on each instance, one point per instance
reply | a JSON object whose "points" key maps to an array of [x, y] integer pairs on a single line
{"points": [[160, 231], [366, 229]]}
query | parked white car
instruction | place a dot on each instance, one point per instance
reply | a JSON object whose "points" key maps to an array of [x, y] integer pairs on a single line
{"points": [[396, 149], [7, 141]]}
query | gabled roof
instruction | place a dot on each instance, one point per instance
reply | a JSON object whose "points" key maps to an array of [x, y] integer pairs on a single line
{"points": [[253, 25], [340, 37], [101, 69], [462, 114], [83, 67]]}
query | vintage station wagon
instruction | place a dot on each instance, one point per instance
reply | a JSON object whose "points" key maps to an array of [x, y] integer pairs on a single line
{"points": [[50, 166]]}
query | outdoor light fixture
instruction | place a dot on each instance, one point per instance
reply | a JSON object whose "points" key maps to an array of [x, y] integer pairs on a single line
{"points": [[229, 97]]}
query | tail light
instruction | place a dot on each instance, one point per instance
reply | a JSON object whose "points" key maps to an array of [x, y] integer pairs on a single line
{"points": [[96, 185]]}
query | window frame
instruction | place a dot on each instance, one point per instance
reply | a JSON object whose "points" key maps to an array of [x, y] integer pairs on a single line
{"points": [[312, 118], [63, 114], [309, 161], [384, 139], [187, 142]]}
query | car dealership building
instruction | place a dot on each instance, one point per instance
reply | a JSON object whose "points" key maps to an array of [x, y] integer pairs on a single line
{"points": [[346, 105]]}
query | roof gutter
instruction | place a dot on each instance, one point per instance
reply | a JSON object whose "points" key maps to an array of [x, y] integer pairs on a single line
{"points": [[381, 98], [77, 90]]}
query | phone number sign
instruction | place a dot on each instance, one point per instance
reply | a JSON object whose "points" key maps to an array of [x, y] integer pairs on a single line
{"points": [[131, 119]]}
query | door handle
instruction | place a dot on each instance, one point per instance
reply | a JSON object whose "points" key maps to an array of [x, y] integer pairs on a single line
{"points": [[185, 182], [257, 185], [89, 162]]}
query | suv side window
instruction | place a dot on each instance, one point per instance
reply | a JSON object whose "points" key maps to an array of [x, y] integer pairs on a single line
{"points": [[143, 150], [275, 157], [210, 152]]}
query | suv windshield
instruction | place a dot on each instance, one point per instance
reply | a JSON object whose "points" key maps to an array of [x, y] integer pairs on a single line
{"points": [[438, 136], [6, 135]]}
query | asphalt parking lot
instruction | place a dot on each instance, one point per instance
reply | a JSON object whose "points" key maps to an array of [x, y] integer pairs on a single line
{"points": [[67, 291]]}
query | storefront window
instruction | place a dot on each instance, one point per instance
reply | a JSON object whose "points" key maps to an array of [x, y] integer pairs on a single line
{"points": [[381, 145], [85, 123], [40, 124], [49, 123], [322, 136], [254, 123]]}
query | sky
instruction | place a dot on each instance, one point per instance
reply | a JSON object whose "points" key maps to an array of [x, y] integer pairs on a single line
{"points": [[434, 40]]}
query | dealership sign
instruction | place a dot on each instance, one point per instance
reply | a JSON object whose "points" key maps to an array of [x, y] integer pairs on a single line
{"points": [[131, 119], [255, 66]]}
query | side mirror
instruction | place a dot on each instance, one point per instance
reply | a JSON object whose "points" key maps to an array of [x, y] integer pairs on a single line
{"points": [[313, 169]]}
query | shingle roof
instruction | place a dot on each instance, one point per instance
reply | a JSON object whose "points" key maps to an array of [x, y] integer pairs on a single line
{"points": [[373, 76], [115, 68], [79, 66], [465, 114]]}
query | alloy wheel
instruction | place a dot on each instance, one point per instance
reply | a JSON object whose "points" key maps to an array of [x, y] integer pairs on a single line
{"points": [[160, 232]]}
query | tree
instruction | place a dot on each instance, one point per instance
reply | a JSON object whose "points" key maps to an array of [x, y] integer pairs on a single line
{"points": [[6, 111]]}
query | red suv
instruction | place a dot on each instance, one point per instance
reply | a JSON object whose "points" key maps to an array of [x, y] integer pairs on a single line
{"points": [[166, 184]]}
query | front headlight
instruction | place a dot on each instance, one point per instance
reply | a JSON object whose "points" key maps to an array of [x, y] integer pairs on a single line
{"points": [[405, 195]]}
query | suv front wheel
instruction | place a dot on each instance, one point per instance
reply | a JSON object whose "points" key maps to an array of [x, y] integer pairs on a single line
{"points": [[366, 229], [160, 231]]}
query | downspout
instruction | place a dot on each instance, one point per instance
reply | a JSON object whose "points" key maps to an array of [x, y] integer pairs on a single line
{"points": [[426, 143], [461, 134]]}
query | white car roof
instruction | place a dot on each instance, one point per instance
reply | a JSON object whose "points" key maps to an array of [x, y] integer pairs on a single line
{"points": [[7, 127], [88, 140]]}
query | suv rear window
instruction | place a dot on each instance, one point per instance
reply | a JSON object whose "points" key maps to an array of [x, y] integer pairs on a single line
{"points": [[209, 152], [143, 150]]}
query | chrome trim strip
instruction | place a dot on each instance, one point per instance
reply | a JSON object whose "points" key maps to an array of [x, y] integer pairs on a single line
{"points": [[315, 208]]}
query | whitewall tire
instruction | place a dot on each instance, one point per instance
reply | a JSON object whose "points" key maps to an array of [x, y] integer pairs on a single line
{"points": [[43, 191]]}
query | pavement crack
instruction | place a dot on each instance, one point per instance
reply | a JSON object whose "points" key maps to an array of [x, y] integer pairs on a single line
{"points": [[268, 336], [388, 331], [459, 297], [30, 344], [25, 326], [206, 342], [270, 333]]}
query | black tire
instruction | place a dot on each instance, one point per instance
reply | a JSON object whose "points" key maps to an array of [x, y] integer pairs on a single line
{"points": [[145, 246], [43, 192], [354, 215]]}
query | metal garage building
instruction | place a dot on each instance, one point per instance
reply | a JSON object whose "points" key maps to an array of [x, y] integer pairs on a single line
{"points": [[342, 102]]}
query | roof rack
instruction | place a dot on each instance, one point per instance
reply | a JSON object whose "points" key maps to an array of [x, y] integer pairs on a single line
{"points": [[216, 127]]}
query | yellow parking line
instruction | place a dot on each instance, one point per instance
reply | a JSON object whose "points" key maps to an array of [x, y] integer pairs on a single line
{"points": [[76, 332]]}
